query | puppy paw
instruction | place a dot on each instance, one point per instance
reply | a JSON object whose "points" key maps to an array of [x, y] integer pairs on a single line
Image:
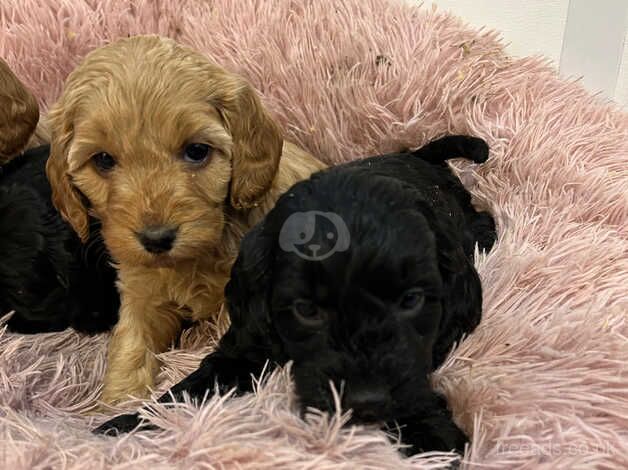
{"points": [[123, 424], [444, 440], [121, 384], [432, 433]]}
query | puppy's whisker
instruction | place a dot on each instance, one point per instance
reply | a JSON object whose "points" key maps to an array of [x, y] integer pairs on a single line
{"points": [[102, 255], [96, 243], [85, 251]]}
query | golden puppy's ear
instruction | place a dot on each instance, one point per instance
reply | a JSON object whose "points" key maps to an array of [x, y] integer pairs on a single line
{"points": [[65, 197], [19, 114], [257, 144]]}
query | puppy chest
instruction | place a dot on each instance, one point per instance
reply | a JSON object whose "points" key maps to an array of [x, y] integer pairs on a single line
{"points": [[200, 297]]}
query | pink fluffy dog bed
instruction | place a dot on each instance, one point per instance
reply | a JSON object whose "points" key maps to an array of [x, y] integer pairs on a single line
{"points": [[542, 383]]}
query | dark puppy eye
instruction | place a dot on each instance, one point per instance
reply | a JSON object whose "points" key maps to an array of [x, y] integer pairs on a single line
{"points": [[103, 162], [196, 153], [412, 300], [308, 313]]}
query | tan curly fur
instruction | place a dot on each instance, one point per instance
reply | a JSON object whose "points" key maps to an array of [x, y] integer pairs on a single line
{"points": [[19, 114], [142, 100]]}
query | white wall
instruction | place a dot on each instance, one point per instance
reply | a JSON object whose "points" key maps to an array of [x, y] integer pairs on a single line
{"points": [[529, 26], [593, 44], [584, 38], [621, 90]]}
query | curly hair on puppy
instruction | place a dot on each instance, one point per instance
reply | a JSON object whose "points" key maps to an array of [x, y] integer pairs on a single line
{"points": [[177, 158], [19, 114], [48, 278], [363, 277]]}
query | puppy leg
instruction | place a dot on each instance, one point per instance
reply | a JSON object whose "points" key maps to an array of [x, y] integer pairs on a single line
{"points": [[217, 369], [146, 327], [432, 429], [19, 324]]}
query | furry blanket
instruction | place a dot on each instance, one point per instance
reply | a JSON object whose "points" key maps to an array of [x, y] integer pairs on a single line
{"points": [[542, 383]]}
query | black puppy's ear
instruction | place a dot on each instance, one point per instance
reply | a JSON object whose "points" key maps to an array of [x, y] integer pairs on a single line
{"points": [[248, 289], [462, 293], [248, 297]]}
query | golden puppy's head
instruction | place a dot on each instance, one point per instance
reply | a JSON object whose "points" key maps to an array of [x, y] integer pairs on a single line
{"points": [[19, 114], [156, 142]]}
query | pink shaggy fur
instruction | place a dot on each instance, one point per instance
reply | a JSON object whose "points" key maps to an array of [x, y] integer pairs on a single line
{"points": [[542, 383]]}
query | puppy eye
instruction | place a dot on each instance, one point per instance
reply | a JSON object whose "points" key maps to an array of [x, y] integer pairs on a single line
{"points": [[196, 153], [103, 162], [412, 300], [308, 313]]}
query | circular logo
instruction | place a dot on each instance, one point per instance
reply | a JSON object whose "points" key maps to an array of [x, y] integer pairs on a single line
{"points": [[314, 235]]}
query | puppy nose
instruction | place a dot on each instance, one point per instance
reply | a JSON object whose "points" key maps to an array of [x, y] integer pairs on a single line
{"points": [[367, 404], [157, 238]]}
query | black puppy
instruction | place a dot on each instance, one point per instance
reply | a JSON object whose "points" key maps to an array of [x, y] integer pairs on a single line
{"points": [[47, 276], [363, 276]]}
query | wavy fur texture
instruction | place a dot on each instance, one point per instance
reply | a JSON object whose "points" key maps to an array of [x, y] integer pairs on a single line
{"points": [[542, 382]]}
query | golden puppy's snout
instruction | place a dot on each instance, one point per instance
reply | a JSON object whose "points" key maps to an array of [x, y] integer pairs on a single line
{"points": [[158, 239]]}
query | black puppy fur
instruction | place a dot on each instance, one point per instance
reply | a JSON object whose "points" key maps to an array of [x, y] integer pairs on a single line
{"points": [[47, 275], [376, 317]]}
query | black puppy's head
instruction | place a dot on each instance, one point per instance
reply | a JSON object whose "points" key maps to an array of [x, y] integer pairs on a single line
{"points": [[29, 282], [372, 313], [40, 276]]}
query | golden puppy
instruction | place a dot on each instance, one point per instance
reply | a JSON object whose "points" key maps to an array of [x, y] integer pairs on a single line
{"points": [[177, 158], [19, 114]]}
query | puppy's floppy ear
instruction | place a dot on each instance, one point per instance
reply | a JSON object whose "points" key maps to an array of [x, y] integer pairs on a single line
{"points": [[257, 143], [19, 114], [248, 295], [462, 292], [66, 198]]}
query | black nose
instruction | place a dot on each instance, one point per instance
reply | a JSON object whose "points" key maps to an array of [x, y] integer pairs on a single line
{"points": [[368, 404], [158, 238]]}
